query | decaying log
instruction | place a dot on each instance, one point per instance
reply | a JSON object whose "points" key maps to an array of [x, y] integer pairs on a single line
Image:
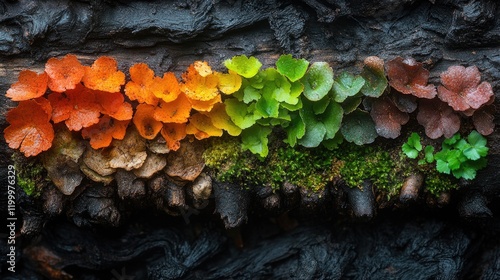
{"points": [[170, 35]]}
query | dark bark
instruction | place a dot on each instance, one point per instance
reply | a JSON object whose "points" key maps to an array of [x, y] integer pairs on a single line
{"points": [[170, 35]]}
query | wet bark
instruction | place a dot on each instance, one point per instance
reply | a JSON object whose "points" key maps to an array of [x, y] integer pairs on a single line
{"points": [[169, 35]]}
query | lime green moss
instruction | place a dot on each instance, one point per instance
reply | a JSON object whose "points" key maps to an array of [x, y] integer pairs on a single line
{"points": [[300, 166], [313, 169], [29, 174]]}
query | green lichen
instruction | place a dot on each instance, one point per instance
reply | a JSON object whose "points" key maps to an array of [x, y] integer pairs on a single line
{"points": [[29, 174]]}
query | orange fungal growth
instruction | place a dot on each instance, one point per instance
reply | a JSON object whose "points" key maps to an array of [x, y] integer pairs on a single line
{"points": [[173, 134], [139, 88], [102, 133], [228, 83], [76, 107], [201, 127], [30, 129], [64, 73], [103, 75], [143, 120], [198, 87], [30, 85], [205, 106], [202, 68], [166, 88], [177, 111], [114, 105]]}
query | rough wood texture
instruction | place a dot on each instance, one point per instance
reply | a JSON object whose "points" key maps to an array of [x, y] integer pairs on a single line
{"points": [[169, 35]]}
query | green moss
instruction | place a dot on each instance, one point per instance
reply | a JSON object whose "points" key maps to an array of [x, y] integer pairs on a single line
{"points": [[315, 168], [434, 182], [29, 174], [437, 183], [372, 163], [303, 167]]}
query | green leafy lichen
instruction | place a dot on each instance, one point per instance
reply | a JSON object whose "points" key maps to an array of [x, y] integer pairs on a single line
{"points": [[458, 156]]}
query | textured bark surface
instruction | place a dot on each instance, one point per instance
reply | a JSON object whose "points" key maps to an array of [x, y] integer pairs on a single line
{"points": [[170, 35]]}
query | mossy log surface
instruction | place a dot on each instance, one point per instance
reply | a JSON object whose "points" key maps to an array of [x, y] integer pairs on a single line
{"points": [[170, 35]]}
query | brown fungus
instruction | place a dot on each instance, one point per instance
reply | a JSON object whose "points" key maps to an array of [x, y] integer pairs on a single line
{"points": [[62, 161]]}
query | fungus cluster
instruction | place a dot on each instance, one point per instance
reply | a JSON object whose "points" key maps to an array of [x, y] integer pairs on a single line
{"points": [[131, 124]]}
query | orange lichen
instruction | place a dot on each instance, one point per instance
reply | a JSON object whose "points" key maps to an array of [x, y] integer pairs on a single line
{"points": [[202, 68], [77, 107], [205, 106], [140, 86], [173, 134], [103, 75], [64, 73], [30, 129], [143, 120], [177, 111], [101, 134], [201, 127], [198, 87], [166, 88], [30, 85], [228, 83], [114, 105]]}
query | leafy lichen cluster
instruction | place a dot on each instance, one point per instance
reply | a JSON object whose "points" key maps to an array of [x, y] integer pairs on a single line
{"points": [[278, 113]]}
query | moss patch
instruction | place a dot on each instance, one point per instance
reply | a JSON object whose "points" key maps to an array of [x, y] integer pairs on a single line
{"points": [[30, 174], [313, 169], [300, 166]]}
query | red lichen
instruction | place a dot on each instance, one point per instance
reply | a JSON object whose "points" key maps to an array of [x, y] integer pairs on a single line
{"points": [[461, 88], [437, 118], [483, 120], [387, 117], [410, 77]]}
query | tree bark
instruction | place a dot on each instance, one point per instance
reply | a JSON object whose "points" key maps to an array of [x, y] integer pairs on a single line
{"points": [[170, 35]]}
